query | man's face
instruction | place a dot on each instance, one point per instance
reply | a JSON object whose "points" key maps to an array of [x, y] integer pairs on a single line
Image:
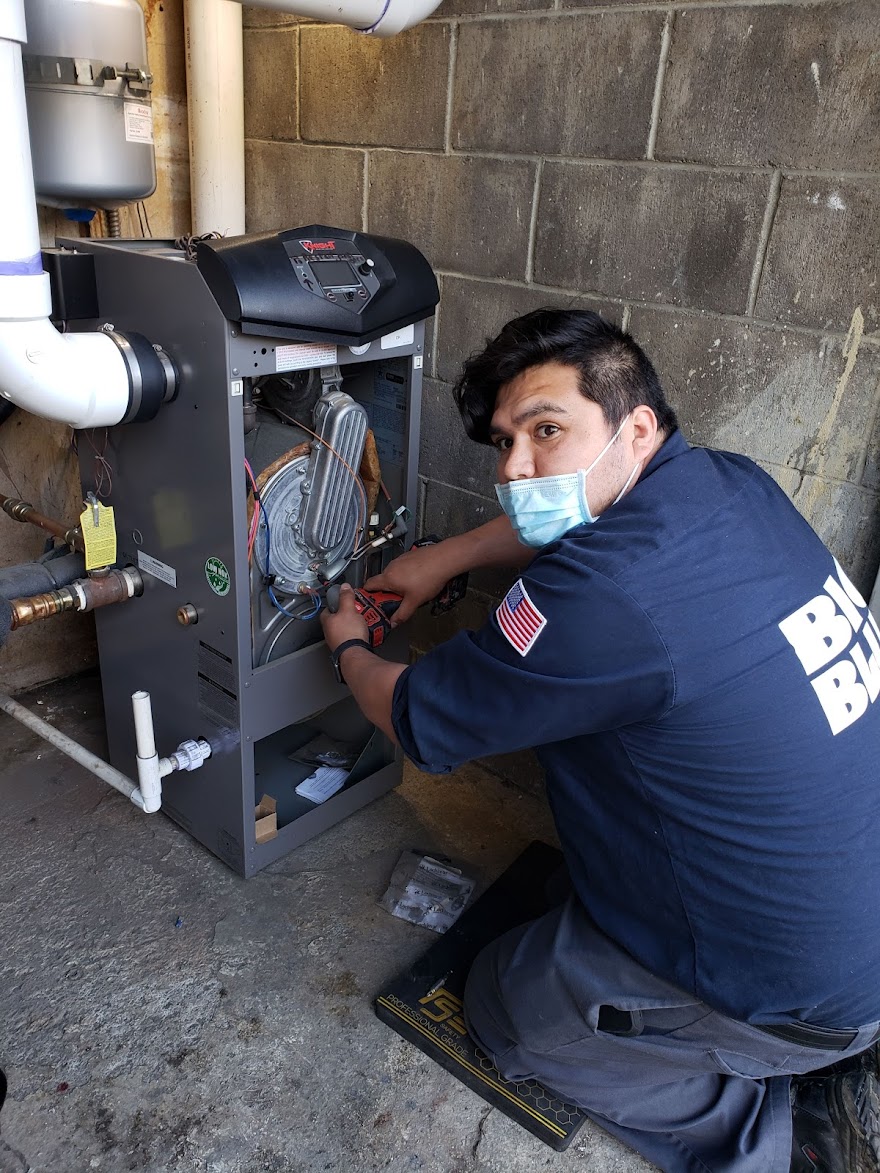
{"points": [[543, 426]]}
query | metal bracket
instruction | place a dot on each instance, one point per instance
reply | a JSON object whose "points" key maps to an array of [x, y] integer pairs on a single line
{"points": [[331, 378], [84, 71]]}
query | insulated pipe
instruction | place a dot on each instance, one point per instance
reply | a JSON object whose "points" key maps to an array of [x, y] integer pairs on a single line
{"points": [[215, 106], [33, 578], [73, 749], [79, 379]]}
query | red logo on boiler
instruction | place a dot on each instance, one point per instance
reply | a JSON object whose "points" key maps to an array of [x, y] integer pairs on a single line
{"points": [[319, 246]]}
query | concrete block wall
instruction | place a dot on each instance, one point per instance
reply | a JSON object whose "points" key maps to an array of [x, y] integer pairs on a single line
{"points": [[706, 173]]}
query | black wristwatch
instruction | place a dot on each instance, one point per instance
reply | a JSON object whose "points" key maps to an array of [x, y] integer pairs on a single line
{"points": [[334, 655]]}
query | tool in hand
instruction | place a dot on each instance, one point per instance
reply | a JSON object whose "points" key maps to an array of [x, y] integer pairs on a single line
{"points": [[377, 607]]}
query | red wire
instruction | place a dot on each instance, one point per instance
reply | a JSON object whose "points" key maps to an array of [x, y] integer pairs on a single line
{"points": [[255, 520]]}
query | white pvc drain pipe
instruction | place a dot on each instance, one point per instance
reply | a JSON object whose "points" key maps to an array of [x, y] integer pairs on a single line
{"points": [[73, 749]]}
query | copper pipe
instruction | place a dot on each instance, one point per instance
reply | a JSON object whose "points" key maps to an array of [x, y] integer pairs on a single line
{"points": [[22, 511], [111, 586]]}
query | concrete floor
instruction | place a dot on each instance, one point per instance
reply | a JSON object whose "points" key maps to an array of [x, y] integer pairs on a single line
{"points": [[243, 1040]]}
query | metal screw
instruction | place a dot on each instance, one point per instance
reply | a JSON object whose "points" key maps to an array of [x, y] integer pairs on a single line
{"points": [[235, 370]]}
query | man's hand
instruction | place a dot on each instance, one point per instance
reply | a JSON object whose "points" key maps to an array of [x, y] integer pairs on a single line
{"points": [[370, 678], [346, 623], [419, 575]]}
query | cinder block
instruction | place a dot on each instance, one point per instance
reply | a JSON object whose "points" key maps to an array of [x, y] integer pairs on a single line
{"points": [[573, 85], [371, 91], [288, 185], [446, 454], [846, 518], [605, 3], [270, 83], [449, 511], [871, 471], [470, 215], [785, 85], [265, 18], [775, 395], [824, 256], [474, 311], [467, 7], [687, 237]]}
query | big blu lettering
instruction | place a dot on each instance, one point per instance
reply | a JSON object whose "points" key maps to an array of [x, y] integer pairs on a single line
{"points": [[836, 626]]}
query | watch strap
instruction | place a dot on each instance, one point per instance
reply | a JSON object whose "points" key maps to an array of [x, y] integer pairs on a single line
{"points": [[344, 646]]}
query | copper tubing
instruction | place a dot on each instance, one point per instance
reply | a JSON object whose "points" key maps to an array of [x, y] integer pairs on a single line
{"points": [[110, 586], [22, 511]]}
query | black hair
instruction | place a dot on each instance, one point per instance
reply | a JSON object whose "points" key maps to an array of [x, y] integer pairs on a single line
{"points": [[614, 371]]}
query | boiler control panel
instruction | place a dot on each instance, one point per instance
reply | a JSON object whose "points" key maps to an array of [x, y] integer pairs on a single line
{"points": [[317, 284], [347, 278]]}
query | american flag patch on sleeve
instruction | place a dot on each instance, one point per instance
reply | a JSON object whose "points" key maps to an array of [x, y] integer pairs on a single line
{"points": [[519, 619]]}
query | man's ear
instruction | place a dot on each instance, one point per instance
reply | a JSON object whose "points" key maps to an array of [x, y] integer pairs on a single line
{"points": [[644, 425]]}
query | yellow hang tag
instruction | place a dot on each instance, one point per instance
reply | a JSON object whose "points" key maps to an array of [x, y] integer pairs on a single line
{"points": [[99, 535]]}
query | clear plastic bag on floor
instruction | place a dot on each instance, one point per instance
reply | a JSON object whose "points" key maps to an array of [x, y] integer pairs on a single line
{"points": [[427, 891]]}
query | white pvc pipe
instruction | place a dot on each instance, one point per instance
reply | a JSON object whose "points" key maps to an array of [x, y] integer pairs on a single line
{"points": [[379, 18], [215, 91], [215, 105], [73, 749], [79, 379], [148, 765]]}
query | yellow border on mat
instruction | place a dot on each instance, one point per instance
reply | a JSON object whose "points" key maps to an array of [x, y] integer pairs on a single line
{"points": [[474, 1070]]}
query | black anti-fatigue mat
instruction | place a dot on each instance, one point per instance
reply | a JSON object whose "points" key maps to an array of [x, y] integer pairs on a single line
{"points": [[424, 1005]]}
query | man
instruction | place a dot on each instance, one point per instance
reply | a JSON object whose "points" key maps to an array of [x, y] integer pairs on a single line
{"points": [[699, 678]]}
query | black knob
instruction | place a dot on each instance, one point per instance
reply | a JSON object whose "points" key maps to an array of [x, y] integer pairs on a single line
{"points": [[365, 268]]}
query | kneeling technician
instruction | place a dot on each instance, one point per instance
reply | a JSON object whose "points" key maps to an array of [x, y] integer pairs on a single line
{"points": [[700, 681]]}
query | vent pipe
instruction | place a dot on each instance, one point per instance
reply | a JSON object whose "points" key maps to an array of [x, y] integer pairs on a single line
{"points": [[215, 90]]}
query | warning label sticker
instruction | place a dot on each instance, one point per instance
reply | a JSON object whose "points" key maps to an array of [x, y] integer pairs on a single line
{"points": [[386, 403], [160, 570], [138, 123], [300, 356]]}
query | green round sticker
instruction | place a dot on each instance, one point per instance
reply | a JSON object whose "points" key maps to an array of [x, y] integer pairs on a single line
{"points": [[217, 576]]}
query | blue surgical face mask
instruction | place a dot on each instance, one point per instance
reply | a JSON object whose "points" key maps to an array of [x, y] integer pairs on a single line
{"points": [[542, 509]]}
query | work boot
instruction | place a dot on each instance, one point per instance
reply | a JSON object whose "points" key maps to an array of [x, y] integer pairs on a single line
{"points": [[11, 1160], [867, 1060], [836, 1124]]}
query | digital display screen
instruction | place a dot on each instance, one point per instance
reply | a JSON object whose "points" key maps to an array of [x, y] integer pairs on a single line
{"points": [[334, 274]]}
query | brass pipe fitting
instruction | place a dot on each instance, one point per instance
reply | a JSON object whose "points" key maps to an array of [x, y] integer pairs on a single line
{"points": [[23, 511], [111, 586]]}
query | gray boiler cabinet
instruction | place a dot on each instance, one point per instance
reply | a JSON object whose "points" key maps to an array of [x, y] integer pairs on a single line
{"points": [[180, 499]]}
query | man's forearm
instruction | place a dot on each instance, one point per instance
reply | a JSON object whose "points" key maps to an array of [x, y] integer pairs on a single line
{"points": [[492, 544], [372, 682]]}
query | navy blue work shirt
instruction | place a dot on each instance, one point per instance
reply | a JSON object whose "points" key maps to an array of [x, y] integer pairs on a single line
{"points": [[700, 681]]}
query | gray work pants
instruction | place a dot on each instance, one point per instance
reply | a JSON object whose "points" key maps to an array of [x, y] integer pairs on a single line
{"points": [[690, 1089]]}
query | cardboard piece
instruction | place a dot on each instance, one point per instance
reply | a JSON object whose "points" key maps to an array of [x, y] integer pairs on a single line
{"points": [[267, 819]]}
